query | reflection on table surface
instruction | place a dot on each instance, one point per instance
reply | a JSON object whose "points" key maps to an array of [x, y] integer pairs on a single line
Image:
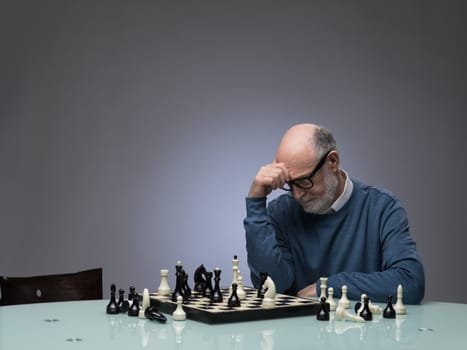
{"points": [[85, 325]]}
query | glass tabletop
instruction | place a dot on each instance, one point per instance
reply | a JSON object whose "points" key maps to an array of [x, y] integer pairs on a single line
{"points": [[85, 325]]}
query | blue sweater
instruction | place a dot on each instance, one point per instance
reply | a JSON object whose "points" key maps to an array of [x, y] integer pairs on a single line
{"points": [[366, 246]]}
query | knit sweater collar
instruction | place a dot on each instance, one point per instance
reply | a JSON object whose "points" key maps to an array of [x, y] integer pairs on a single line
{"points": [[345, 195]]}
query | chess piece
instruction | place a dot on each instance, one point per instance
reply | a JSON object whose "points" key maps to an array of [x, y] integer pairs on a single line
{"points": [[359, 305], [112, 307], [366, 314], [122, 304], [389, 311], [200, 281], [217, 293], [152, 314], [235, 261], [343, 315], [240, 290], [323, 286], [234, 278], [344, 300], [269, 299], [208, 290], [233, 300], [261, 290], [134, 308], [332, 303], [164, 288], [145, 303], [375, 309], [132, 293], [235, 272], [185, 287], [178, 291], [178, 267], [179, 314], [399, 307], [323, 313]]}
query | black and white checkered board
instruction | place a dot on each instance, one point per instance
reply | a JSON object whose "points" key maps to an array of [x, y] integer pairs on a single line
{"points": [[201, 309]]}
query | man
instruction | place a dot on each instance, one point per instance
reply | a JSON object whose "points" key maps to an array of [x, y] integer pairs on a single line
{"points": [[327, 224]]}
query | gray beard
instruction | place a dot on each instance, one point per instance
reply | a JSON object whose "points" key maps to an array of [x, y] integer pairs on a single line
{"points": [[322, 205]]}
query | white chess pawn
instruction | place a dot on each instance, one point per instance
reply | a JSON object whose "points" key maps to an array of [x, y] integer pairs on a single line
{"points": [[144, 304], [323, 286], [179, 314], [240, 291], [399, 307], [164, 288], [344, 300], [343, 315], [330, 299]]}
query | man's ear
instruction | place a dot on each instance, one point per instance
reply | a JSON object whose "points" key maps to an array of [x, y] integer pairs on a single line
{"points": [[334, 160]]}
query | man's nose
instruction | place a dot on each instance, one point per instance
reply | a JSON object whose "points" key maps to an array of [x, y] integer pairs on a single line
{"points": [[298, 192]]}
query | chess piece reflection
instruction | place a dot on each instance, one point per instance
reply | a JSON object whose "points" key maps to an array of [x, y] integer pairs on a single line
{"points": [[267, 342]]}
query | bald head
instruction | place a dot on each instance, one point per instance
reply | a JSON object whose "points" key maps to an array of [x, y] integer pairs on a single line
{"points": [[297, 142], [303, 145]]}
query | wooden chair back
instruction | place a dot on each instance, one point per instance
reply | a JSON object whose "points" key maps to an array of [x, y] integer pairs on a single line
{"points": [[83, 285]]}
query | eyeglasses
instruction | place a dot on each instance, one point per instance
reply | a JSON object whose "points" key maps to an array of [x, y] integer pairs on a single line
{"points": [[306, 182]]}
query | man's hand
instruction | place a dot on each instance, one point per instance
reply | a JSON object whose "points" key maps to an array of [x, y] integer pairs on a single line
{"points": [[309, 291], [270, 177]]}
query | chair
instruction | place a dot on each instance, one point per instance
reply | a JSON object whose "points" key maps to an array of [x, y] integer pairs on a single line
{"points": [[83, 285]]}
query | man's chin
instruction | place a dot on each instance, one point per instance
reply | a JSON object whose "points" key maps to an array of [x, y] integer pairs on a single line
{"points": [[315, 209]]}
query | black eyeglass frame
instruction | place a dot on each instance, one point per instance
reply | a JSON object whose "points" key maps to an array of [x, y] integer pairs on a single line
{"points": [[318, 166]]}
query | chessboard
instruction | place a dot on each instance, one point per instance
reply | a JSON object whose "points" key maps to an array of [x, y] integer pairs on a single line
{"points": [[201, 309]]}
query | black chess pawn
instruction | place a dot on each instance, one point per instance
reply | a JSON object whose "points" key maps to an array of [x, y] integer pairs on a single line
{"points": [[200, 281], [366, 313], [261, 290], [323, 313], [134, 308], [234, 300], [208, 290], [217, 293], [389, 311], [112, 307], [122, 304]]}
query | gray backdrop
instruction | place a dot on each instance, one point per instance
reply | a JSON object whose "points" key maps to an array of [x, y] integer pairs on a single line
{"points": [[130, 131]]}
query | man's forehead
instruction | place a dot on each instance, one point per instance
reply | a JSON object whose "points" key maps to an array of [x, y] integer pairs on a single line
{"points": [[299, 169], [293, 157]]}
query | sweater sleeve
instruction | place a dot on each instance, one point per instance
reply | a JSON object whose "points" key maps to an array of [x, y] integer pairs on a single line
{"points": [[267, 248], [400, 263]]}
